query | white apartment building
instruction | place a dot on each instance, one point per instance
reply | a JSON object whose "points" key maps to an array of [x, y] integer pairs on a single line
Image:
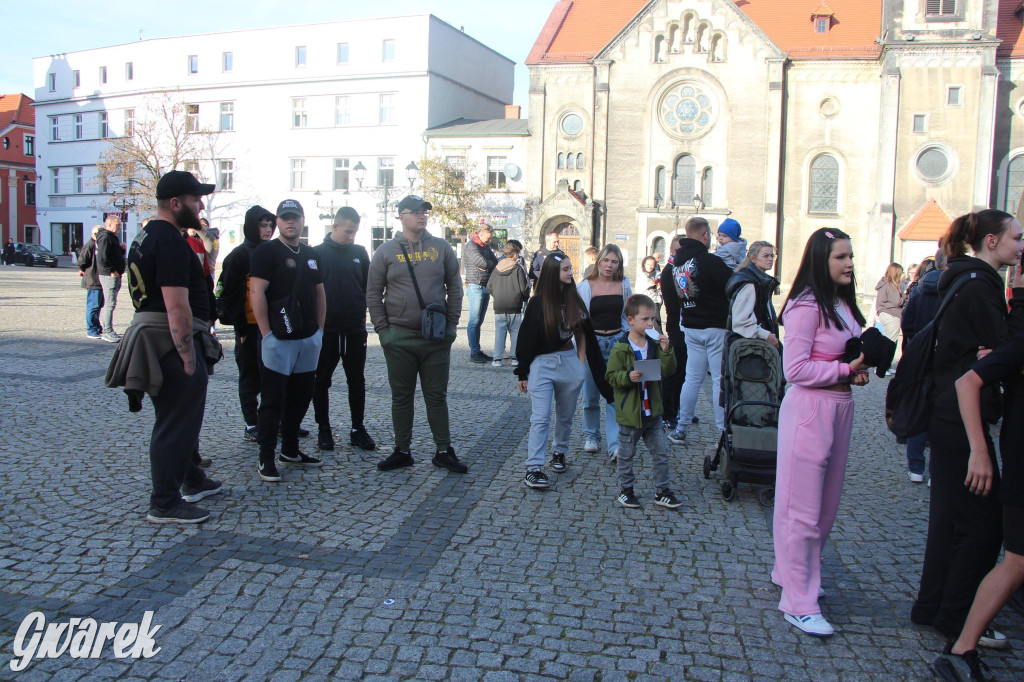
{"points": [[299, 112]]}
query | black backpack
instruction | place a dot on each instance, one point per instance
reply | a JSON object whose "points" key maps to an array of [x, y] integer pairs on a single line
{"points": [[908, 398]]}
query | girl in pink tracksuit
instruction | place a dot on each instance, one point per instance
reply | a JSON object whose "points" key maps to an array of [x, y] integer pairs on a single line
{"points": [[815, 421]]}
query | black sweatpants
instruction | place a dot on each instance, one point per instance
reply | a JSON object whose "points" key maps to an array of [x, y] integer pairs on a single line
{"points": [[672, 385], [247, 358], [284, 400], [174, 445], [351, 350], [965, 532]]}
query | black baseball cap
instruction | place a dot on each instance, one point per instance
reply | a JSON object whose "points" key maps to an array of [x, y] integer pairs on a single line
{"points": [[290, 207], [413, 203], [177, 183]]}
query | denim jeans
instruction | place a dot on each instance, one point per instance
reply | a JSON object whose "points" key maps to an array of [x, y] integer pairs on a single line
{"points": [[652, 430], [915, 453], [703, 352], [506, 323], [111, 285], [592, 401], [554, 377], [93, 303], [478, 301]]}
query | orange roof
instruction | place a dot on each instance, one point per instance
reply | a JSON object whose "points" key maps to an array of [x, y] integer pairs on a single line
{"points": [[577, 30], [16, 109], [927, 225], [1009, 29], [853, 32]]}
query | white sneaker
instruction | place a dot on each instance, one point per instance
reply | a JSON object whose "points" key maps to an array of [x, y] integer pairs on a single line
{"points": [[590, 445], [496, 363], [515, 363], [993, 639], [915, 478], [613, 455], [814, 624]]}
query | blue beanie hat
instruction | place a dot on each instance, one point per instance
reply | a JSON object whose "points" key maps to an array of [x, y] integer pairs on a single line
{"points": [[731, 229]]}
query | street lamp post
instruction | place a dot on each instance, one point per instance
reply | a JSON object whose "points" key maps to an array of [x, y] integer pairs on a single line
{"points": [[383, 193]]}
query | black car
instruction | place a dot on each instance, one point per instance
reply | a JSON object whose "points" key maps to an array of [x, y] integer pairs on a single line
{"points": [[34, 254]]}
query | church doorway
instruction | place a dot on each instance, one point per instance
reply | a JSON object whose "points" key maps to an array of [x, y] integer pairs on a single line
{"points": [[568, 239]]}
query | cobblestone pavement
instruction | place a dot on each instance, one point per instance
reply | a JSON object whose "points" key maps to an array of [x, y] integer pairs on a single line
{"points": [[348, 572]]}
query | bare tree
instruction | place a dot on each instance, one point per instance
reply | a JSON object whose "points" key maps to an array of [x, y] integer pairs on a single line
{"points": [[164, 135], [457, 195]]}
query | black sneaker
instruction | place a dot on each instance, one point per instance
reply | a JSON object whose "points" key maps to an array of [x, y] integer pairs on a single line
{"points": [[325, 439], [665, 498], [361, 439], [480, 358], [268, 469], [250, 434], [396, 460], [300, 459], [960, 667], [448, 460], [205, 461], [627, 499], [183, 512], [205, 489], [536, 478], [558, 462]]}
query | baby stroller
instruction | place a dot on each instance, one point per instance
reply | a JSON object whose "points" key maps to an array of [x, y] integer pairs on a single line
{"points": [[752, 387]]}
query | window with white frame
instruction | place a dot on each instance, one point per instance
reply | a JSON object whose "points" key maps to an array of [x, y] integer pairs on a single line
{"points": [[79, 185], [954, 96], [191, 117], [823, 185], [227, 175], [496, 172], [457, 162], [920, 123], [78, 127], [55, 177], [684, 180], [298, 174], [343, 53], [129, 122], [54, 129], [300, 118], [1014, 184], [342, 111], [103, 127], [388, 50], [341, 174], [387, 109], [30, 145], [103, 74], [939, 8], [227, 115], [300, 55], [227, 61], [193, 64], [386, 171], [76, 78], [659, 185], [51, 82], [129, 71]]}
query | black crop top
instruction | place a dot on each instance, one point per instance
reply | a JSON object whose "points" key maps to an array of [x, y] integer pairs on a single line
{"points": [[606, 311]]}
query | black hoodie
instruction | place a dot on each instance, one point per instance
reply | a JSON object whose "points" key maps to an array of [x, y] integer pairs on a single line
{"points": [[976, 317], [233, 285], [344, 268], [700, 278]]}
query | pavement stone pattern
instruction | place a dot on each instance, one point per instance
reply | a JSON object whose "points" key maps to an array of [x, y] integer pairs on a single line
{"points": [[347, 572]]}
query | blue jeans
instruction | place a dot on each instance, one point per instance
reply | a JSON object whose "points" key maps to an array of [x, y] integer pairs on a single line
{"points": [[703, 352], [93, 303], [915, 453], [592, 401], [478, 300], [506, 323]]}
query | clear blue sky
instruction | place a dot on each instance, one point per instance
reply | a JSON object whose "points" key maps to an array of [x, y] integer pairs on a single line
{"points": [[69, 25]]}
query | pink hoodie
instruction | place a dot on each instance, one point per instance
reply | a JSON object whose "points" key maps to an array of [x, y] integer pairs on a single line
{"points": [[812, 351]]}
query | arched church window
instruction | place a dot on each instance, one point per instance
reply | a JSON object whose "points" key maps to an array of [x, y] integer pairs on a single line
{"points": [[707, 186], [823, 191], [659, 185], [570, 161], [579, 160], [1014, 184], [577, 186], [683, 182], [561, 159], [659, 48]]}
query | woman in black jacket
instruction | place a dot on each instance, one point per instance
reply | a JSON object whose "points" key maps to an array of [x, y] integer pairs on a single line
{"points": [[965, 530]]}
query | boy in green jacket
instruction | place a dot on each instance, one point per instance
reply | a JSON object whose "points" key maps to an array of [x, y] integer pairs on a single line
{"points": [[638, 403]]}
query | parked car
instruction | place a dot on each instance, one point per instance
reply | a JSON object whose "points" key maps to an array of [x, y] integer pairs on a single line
{"points": [[34, 254]]}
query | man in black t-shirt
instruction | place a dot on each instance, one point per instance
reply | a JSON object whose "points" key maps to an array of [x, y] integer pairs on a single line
{"points": [[169, 294], [287, 295]]}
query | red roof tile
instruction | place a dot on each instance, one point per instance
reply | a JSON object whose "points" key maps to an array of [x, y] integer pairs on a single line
{"points": [[927, 225], [854, 30], [1009, 28], [577, 30], [16, 109]]}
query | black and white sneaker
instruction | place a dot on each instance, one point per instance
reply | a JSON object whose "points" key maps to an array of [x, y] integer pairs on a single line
{"points": [[268, 470], [665, 498], [183, 512], [396, 460], [993, 639], [361, 439], [325, 439], [205, 489], [627, 499], [536, 478], [965, 667], [300, 459], [558, 462], [250, 434]]}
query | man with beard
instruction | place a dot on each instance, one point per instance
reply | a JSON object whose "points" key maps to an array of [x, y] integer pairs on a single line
{"points": [[344, 265], [237, 311], [550, 244], [110, 265], [168, 347], [287, 295]]}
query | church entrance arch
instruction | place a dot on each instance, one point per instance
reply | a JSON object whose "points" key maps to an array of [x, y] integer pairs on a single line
{"points": [[568, 238]]}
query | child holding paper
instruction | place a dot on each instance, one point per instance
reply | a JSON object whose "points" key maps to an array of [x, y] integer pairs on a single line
{"points": [[638, 401]]}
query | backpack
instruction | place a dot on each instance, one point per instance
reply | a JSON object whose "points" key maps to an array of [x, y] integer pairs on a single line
{"points": [[908, 398]]}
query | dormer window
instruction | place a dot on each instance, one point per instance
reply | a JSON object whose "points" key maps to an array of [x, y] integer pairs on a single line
{"points": [[822, 18], [940, 8], [821, 24]]}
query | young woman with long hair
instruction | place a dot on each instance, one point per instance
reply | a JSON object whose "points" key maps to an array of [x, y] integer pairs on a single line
{"points": [[648, 282], [751, 312], [889, 301], [815, 421], [551, 368], [604, 293], [964, 529]]}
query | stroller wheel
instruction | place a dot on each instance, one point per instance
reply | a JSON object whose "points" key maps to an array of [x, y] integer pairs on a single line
{"points": [[728, 491], [707, 467], [766, 496]]}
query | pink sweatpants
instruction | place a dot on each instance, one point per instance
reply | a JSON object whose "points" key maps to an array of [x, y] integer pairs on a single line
{"points": [[814, 441]]}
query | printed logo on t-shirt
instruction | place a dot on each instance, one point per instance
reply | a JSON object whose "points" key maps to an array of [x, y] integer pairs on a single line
{"points": [[289, 262], [311, 263], [429, 254], [686, 287], [355, 260]]}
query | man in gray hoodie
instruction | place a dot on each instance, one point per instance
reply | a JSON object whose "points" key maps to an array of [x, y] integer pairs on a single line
{"points": [[395, 312]]}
